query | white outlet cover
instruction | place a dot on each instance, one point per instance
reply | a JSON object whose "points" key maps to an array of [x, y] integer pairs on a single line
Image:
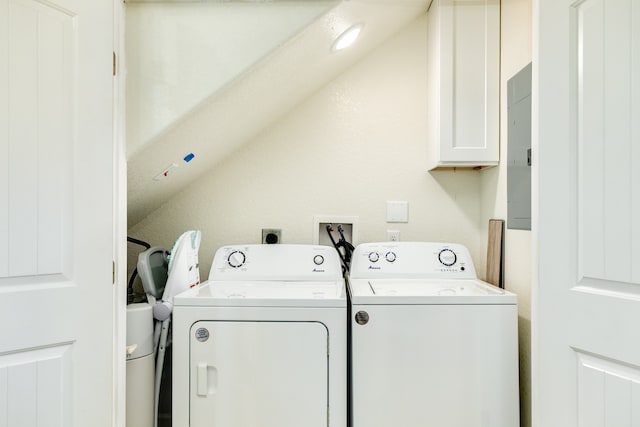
{"points": [[335, 220], [397, 211]]}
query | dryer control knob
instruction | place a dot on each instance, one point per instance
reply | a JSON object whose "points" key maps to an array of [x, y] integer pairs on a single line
{"points": [[390, 256], [236, 259], [318, 259], [374, 256], [447, 257]]}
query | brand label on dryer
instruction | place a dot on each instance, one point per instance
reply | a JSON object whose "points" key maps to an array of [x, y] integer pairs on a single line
{"points": [[202, 334]]}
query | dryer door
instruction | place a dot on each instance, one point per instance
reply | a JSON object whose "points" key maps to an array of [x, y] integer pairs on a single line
{"points": [[258, 374]]}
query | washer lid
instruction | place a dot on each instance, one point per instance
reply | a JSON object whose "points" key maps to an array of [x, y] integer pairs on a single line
{"points": [[265, 294], [421, 291]]}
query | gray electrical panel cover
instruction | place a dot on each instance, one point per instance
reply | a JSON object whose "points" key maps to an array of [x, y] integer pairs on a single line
{"points": [[519, 150]]}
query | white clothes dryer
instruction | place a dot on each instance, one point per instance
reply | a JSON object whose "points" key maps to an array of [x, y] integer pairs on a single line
{"points": [[431, 344], [263, 343]]}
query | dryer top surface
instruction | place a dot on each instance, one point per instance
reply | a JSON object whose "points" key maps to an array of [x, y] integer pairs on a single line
{"points": [[265, 294]]}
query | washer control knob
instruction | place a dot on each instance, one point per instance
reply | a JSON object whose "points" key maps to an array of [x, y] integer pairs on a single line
{"points": [[390, 256], [236, 259], [447, 257], [374, 256], [318, 259]]}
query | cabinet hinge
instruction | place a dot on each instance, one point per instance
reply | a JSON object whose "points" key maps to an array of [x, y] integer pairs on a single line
{"points": [[114, 64]]}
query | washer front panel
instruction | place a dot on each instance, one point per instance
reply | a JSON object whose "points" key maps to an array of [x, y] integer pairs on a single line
{"points": [[437, 365]]}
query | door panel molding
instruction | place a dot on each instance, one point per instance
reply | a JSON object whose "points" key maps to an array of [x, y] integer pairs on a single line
{"points": [[38, 219], [35, 384], [607, 190], [608, 392]]}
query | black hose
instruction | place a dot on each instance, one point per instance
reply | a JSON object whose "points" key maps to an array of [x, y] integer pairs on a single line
{"points": [[342, 243], [138, 242], [348, 247], [135, 270], [130, 285], [333, 241]]}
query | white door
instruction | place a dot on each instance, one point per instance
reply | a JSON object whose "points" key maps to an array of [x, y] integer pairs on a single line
{"points": [[56, 213], [586, 114]]}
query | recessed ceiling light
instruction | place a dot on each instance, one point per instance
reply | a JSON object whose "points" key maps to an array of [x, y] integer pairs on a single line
{"points": [[347, 38]]}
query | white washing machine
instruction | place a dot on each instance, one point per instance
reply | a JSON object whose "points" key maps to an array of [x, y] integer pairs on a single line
{"points": [[263, 343], [431, 344]]}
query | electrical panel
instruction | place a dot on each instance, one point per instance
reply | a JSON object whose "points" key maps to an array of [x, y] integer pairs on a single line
{"points": [[519, 150]]}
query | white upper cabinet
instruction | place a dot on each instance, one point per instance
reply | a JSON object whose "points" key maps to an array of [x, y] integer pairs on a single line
{"points": [[463, 73]]}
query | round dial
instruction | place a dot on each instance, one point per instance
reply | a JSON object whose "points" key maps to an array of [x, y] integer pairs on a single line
{"points": [[236, 259], [390, 256], [447, 257], [318, 259], [374, 256]]}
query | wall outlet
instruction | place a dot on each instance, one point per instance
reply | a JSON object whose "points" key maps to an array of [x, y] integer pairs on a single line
{"points": [[271, 235], [393, 235]]}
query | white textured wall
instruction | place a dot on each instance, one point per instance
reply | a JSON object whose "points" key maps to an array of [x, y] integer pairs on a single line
{"points": [[358, 142], [515, 55]]}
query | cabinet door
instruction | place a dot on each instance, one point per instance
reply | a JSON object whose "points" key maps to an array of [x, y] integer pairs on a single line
{"points": [[465, 53]]}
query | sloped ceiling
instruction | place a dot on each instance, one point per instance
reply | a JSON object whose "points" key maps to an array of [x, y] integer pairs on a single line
{"points": [[206, 78]]}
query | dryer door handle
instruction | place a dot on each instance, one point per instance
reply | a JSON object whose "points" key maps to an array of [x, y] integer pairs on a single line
{"points": [[202, 383], [206, 379]]}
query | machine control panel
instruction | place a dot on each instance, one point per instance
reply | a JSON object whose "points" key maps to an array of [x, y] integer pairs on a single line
{"points": [[276, 262], [412, 259], [389, 256]]}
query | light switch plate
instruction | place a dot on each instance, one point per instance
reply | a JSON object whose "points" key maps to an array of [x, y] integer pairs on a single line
{"points": [[397, 211]]}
